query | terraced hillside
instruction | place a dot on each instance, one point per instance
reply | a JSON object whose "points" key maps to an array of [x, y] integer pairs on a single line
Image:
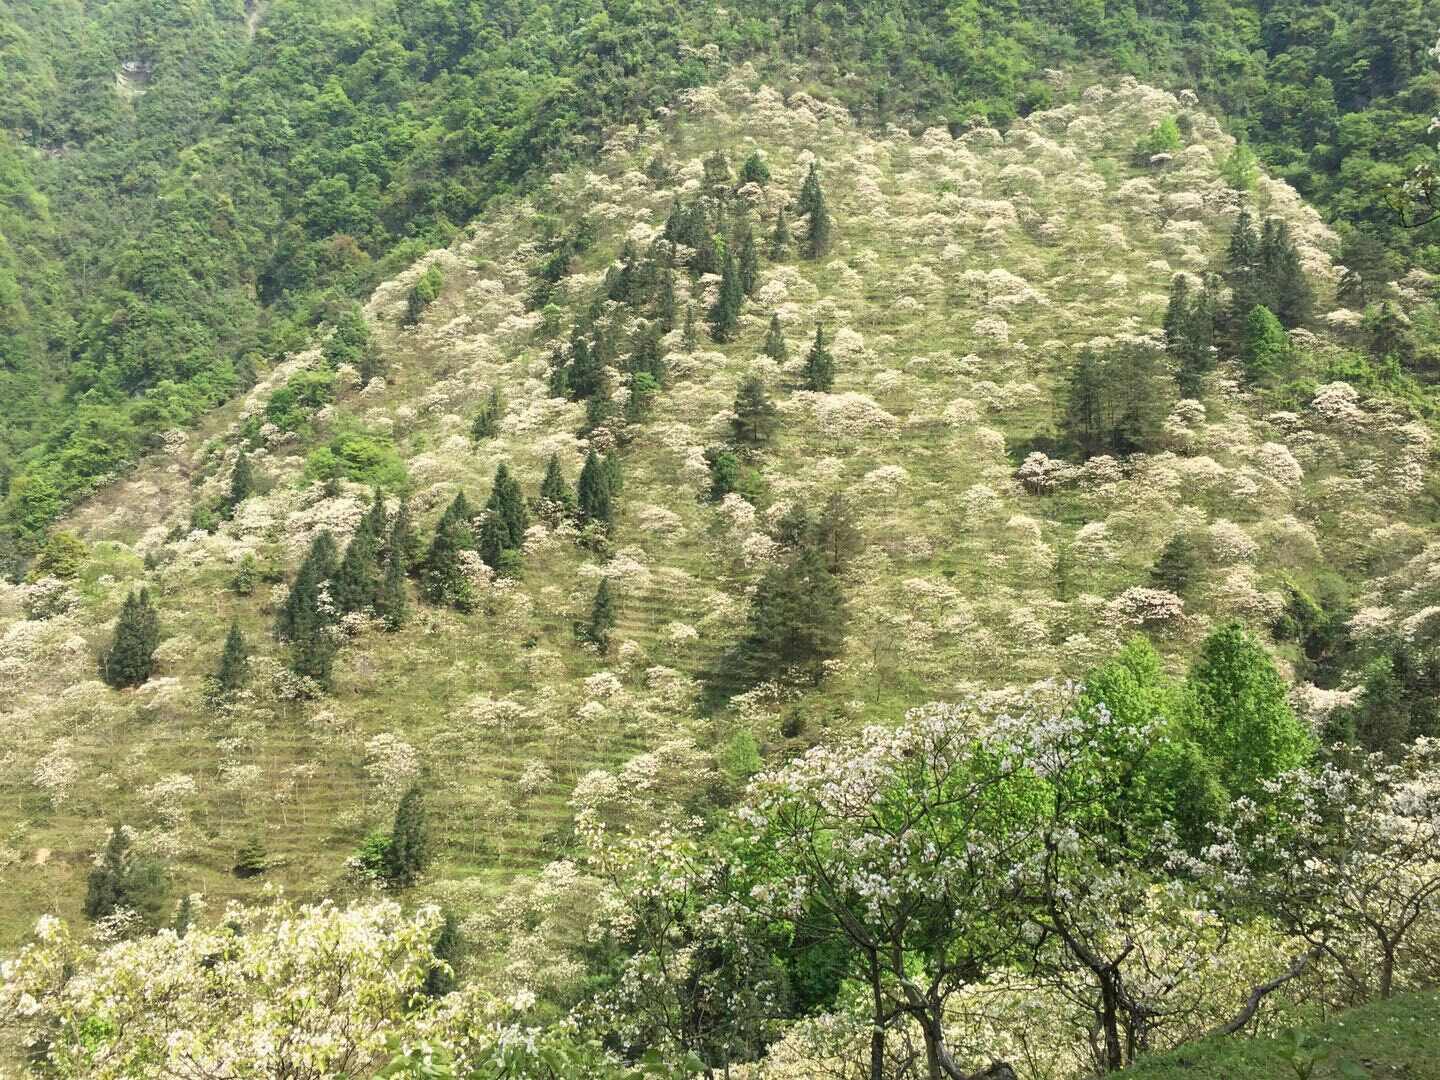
{"points": [[964, 278]]}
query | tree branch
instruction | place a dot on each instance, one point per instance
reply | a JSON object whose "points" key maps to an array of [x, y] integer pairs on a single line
{"points": [[1260, 992]]}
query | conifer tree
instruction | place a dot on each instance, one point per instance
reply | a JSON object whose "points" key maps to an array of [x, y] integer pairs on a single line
{"points": [[449, 950], [775, 346], [234, 666], [392, 604], [1286, 290], [487, 420], [614, 474], [725, 314], [1179, 565], [409, 852], [796, 622], [666, 306], [242, 483], [688, 337], [748, 264], [603, 616], [780, 237], [817, 230], [810, 193], [442, 577], [755, 414], [313, 651], [1190, 334], [402, 540], [835, 535], [592, 493], [819, 364], [647, 356], [559, 385], [122, 882], [356, 582], [585, 374], [131, 656], [506, 519], [555, 501], [302, 604], [754, 170]]}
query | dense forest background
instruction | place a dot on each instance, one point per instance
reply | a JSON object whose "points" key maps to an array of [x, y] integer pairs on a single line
{"points": [[186, 188]]}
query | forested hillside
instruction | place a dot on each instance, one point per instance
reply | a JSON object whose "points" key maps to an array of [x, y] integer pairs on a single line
{"points": [[858, 541], [170, 232]]}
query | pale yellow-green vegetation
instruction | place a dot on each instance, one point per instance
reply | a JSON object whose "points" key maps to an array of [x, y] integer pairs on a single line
{"points": [[964, 274]]}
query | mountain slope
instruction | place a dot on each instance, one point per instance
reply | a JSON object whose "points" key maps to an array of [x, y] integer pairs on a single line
{"points": [[965, 276]]}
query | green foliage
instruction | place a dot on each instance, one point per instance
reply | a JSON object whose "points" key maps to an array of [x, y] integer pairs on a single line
{"points": [[756, 416], [775, 346], [442, 577], [755, 171], [796, 623], [1240, 167], [1163, 138], [1236, 709], [242, 482], [392, 603], [121, 881], [246, 575], [363, 457], [450, 950], [725, 312], [740, 756], [63, 557], [1190, 334], [604, 614], [408, 853], [1115, 402], [423, 293], [234, 669], [1267, 349], [593, 496], [819, 364], [505, 519], [252, 858], [487, 419], [131, 655], [1180, 565]]}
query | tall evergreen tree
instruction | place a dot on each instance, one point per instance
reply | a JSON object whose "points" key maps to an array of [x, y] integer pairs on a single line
{"points": [[775, 346], [748, 264], [392, 603], [409, 852], [796, 622], [505, 520], [585, 374], [810, 193], [449, 951], [592, 493], [302, 604], [131, 656], [123, 882], [1286, 290], [819, 364], [667, 308], [755, 414], [442, 576], [818, 229], [313, 651], [1190, 334], [603, 616], [835, 535], [402, 539], [242, 483], [234, 667], [780, 237], [647, 355], [754, 170], [487, 420], [688, 337], [1115, 402], [725, 313], [356, 579], [559, 385], [555, 501]]}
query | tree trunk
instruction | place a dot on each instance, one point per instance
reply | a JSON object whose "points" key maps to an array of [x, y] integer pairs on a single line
{"points": [[877, 1033], [1109, 1022], [1387, 968]]}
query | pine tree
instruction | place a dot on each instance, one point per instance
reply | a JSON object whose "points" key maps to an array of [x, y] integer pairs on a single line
{"points": [[242, 483], [449, 951], [817, 230], [754, 170], [356, 582], [402, 540], [442, 577], [234, 667], [585, 374], [487, 420], [755, 414], [592, 493], [688, 337], [1179, 566], [131, 656], [775, 346], [1286, 290], [725, 314], [810, 193], [647, 355], [392, 604], [559, 385], [780, 237], [409, 852], [603, 616], [506, 519], [666, 306], [749, 262], [819, 364], [835, 535], [555, 501], [1190, 334], [121, 882], [313, 651], [302, 604], [614, 474], [796, 622]]}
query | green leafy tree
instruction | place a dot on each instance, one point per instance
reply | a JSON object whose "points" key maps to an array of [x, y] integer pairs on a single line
{"points": [[795, 624], [754, 170], [819, 364], [1240, 167], [555, 502], [246, 576], [423, 293], [408, 854], [63, 556], [131, 656], [505, 519], [1237, 711], [780, 237], [1285, 289], [1180, 566], [449, 949], [604, 614], [1162, 138], [748, 265], [1267, 349], [392, 603]]}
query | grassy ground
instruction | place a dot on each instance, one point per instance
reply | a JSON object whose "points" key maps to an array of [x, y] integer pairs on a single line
{"points": [[1394, 1040]]}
